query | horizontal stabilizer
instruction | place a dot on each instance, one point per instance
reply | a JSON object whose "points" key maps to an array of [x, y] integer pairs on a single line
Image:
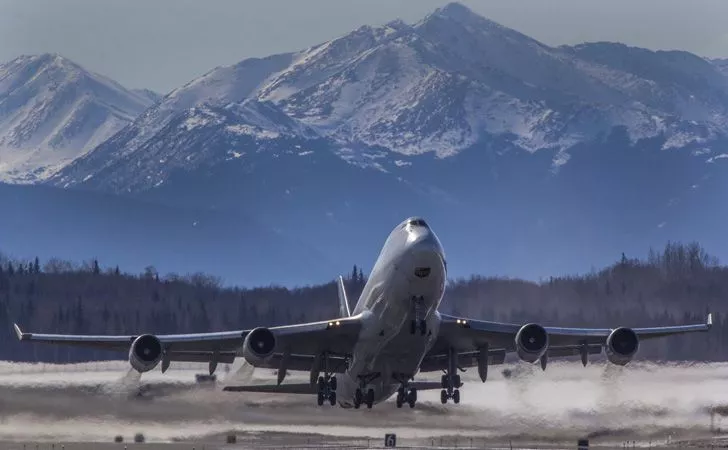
{"points": [[300, 388]]}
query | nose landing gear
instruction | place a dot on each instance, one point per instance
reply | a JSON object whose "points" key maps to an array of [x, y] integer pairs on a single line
{"points": [[418, 323], [363, 395], [408, 396]]}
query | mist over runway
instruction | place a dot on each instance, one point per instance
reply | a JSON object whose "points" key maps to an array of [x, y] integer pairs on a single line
{"points": [[95, 402]]}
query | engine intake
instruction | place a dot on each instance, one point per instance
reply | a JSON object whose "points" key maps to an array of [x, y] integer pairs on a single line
{"points": [[622, 345], [532, 341], [258, 345], [145, 353]]}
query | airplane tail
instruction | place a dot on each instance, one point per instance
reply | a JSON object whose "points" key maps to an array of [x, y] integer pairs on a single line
{"points": [[344, 310]]}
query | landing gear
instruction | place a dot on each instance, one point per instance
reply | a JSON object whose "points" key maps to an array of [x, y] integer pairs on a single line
{"points": [[450, 380], [362, 396], [418, 304], [326, 385], [408, 396], [327, 389], [358, 398], [367, 399]]}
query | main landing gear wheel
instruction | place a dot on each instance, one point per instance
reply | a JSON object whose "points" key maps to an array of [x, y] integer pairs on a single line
{"points": [[412, 398], [408, 396], [370, 398], [450, 381], [326, 385], [358, 398]]}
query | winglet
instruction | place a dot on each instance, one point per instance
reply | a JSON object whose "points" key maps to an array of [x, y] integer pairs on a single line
{"points": [[19, 332], [343, 300], [709, 320]]}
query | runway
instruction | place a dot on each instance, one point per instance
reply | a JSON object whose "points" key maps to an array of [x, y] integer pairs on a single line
{"points": [[652, 405]]}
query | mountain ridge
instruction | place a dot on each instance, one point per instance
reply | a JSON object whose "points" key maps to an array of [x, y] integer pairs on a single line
{"points": [[52, 111], [423, 88], [528, 160]]}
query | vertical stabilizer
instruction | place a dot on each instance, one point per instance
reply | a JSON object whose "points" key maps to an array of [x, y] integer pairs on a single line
{"points": [[343, 300]]}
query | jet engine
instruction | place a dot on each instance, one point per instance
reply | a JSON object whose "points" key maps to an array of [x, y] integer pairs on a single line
{"points": [[622, 345], [258, 345], [145, 353], [532, 341]]}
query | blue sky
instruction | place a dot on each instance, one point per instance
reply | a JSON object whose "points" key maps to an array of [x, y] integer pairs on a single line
{"points": [[161, 44]]}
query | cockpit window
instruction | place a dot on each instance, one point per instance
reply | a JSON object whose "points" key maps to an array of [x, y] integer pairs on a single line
{"points": [[417, 222]]}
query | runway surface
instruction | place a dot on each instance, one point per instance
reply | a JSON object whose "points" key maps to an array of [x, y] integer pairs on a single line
{"points": [[649, 404]]}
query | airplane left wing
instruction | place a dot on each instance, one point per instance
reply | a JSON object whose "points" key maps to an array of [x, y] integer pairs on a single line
{"points": [[467, 337], [301, 342]]}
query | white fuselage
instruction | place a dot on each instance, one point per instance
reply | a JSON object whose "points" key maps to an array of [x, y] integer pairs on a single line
{"points": [[410, 266]]}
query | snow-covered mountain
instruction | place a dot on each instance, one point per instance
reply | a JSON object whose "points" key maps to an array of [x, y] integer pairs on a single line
{"points": [[52, 111], [554, 158], [440, 86]]}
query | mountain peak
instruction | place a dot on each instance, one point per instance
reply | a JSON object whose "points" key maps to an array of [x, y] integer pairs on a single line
{"points": [[47, 60], [458, 11], [54, 111]]}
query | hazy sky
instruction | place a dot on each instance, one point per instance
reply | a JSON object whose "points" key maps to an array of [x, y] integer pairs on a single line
{"points": [[161, 44]]}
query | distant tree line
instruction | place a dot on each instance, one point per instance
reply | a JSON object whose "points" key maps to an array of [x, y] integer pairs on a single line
{"points": [[678, 284]]}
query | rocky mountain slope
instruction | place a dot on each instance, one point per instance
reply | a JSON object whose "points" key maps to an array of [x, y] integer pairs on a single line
{"points": [[52, 111]]}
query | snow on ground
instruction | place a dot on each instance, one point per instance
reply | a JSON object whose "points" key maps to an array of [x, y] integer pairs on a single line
{"points": [[645, 401]]}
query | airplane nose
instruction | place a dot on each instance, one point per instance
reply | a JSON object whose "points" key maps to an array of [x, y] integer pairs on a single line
{"points": [[426, 253], [423, 241]]}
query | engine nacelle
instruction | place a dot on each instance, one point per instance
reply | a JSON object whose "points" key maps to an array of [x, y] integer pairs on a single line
{"points": [[145, 353], [622, 345], [532, 341], [258, 345]]}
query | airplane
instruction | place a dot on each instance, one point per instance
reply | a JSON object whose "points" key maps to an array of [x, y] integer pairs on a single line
{"points": [[394, 332]]}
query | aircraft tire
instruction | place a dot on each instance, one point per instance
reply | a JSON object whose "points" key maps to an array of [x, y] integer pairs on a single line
{"points": [[332, 399], [456, 396], [443, 396], [320, 398]]}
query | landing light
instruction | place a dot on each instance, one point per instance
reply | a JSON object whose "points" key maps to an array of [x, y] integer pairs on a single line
{"points": [[338, 323]]}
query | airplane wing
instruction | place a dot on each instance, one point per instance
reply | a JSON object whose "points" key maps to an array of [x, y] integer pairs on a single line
{"points": [[468, 336], [300, 342]]}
